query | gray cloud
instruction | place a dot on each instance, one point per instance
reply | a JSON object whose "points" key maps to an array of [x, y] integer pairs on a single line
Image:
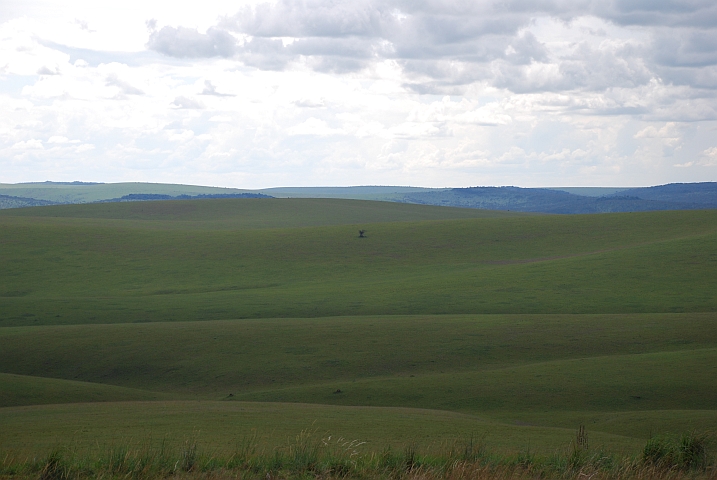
{"points": [[185, 102], [44, 70], [189, 43], [702, 78], [686, 48], [210, 89], [694, 13], [444, 46], [125, 88], [265, 53], [312, 18]]}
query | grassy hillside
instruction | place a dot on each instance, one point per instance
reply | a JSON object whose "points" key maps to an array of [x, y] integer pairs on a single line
{"points": [[516, 370], [226, 427], [212, 359], [106, 270], [516, 328], [247, 213], [32, 390], [654, 381]]}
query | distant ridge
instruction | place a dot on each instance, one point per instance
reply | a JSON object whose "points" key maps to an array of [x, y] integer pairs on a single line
{"points": [[678, 196], [90, 192], [704, 193], [48, 182], [9, 201], [145, 197], [567, 200]]}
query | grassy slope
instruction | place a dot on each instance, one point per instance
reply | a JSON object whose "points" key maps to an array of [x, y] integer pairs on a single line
{"points": [[98, 269], [656, 381], [18, 390], [224, 427], [526, 369], [215, 358], [102, 271], [253, 213]]}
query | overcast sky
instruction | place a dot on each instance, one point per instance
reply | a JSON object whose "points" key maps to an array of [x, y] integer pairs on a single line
{"points": [[433, 93]]}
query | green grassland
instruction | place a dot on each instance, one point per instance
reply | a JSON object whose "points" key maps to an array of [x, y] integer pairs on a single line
{"points": [[32, 390], [228, 317], [241, 214], [215, 358], [58, 270], [222, 427]]}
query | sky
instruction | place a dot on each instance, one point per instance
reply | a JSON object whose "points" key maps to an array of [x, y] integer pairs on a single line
{"points": [[433, 93]]}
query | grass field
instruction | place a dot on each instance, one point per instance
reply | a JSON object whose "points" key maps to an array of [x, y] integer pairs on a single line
{"points": [[223, 426], [73, 270], [240, 317]]}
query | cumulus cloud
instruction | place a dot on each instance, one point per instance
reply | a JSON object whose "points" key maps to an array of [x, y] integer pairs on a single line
{"points": [[708, 158], [189, 43], [32, 144], [44, 70], [411, 89], [60, 139], [442, 47], [210, 89], [314, 126], [185, 102], [695, 13], [124, 87]]}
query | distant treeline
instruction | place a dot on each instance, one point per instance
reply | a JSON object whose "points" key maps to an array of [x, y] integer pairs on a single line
{"points": [[8, 201], [674, 196], [145, 197]]}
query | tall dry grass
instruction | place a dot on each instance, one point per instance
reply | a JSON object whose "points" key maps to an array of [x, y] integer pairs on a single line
{"points": [[311, 455]]}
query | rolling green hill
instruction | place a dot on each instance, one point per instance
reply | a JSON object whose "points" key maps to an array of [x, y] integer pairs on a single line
{"points": [[58, 269], [214, 358], [225, 427], [33, 390], [515, 327], [248, 213]]}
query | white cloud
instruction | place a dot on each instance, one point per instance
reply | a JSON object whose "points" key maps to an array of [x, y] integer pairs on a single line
{"points": [[61, 139], [85, 147], [32, 144], [314, 126], [708, 158], [185, 102], [389, 91]]}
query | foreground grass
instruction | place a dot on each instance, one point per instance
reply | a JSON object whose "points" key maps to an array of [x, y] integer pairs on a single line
{"points": [[314, 455], [624, 376], [219, 426]]}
